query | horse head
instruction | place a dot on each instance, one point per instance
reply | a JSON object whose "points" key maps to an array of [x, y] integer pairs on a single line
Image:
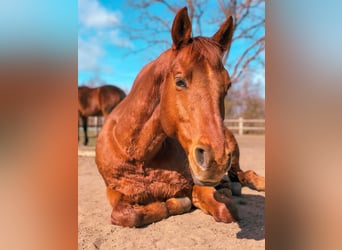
{"points": [[192, 99]]}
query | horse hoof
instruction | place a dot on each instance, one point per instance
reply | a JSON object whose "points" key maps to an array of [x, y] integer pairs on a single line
{"points": [[226, 211], [255, 181], [225, 191], [236, 187], [260, 184], [178, 205]]}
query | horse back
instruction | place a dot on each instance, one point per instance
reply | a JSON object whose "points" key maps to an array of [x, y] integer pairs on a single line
{"points": [[109, 97], [87, 101]]}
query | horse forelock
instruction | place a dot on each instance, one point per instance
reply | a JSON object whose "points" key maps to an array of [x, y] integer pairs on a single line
{"points": [[202, 50], [198, 50]]}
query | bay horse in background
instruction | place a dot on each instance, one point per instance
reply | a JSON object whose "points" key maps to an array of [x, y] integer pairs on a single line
{"points": [[98, 101], [165, 148]]}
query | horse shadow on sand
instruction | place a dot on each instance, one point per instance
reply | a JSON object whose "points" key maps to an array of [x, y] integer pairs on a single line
{"points": [[252, 214], [251, 210]]}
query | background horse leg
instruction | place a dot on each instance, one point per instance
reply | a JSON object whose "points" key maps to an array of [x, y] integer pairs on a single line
{"points": [[248, 178], [85, 125], [215, 203]]}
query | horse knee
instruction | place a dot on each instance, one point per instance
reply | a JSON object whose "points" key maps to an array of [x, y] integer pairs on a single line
{"points": [[178, 205]]}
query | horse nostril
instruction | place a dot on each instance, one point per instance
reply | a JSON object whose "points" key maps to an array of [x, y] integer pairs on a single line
{"points": [[202, 157]]}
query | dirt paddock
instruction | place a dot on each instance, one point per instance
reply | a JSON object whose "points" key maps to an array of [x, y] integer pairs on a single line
{"points": [[194, 230]]}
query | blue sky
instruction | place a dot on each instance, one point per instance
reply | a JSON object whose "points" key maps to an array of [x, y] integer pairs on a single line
{"points": [[104, 45]]}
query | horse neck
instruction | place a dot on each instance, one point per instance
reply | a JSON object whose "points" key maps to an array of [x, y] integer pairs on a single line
{"points": [[138, 129]]}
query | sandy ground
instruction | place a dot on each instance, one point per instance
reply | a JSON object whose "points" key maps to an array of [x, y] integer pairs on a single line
{"points": [[194, 230]]}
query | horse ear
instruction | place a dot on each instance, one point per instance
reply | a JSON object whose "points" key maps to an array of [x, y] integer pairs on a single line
{"points": [[225, 34], [181, 28]]}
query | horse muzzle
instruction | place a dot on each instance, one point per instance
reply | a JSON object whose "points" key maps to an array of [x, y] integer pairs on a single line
{"points": [[205, 169]]}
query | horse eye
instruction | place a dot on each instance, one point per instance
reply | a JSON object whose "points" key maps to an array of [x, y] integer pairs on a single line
{"points": [[181, 83]]}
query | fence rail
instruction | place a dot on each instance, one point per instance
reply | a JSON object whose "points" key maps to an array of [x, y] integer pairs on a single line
{"points": [[94, 123], [243, 126], [240, 125]]}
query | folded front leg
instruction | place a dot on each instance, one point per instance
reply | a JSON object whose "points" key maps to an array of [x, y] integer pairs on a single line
{"points": [[215, 203], [129, 215], [252, 180], [248, 178]]}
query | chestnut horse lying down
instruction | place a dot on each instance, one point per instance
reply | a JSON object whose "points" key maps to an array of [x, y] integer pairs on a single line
{"points": [[97, 102], [164, 148]]}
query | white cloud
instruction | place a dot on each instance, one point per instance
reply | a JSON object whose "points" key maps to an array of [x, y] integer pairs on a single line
{"points": [[89, 55], [98, 28], [91, 14], [116, 39]]}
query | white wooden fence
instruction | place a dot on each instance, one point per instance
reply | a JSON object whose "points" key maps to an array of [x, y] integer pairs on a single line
{"points": [[243, 126], [94, 123], [240, 125]]}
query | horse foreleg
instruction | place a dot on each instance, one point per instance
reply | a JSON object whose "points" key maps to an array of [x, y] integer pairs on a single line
{"points": [[252, 180], [248, 178], [85, 125], [129, 215], [216, 203]]}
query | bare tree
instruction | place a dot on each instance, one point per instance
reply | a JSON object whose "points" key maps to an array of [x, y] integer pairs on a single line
{"points": [[154, 28], [153, 31], [245, 99], [249, 28]]}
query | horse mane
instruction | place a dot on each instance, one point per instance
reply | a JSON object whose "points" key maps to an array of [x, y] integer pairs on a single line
{"points": [[204, 48]]}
